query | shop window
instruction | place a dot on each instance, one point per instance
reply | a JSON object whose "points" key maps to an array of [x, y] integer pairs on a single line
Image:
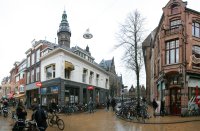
{"points": [[196, 29], [172, 52], [50, 71]]}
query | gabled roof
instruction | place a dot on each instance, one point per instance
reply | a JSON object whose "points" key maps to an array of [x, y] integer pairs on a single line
{"points": [[106, 64]]}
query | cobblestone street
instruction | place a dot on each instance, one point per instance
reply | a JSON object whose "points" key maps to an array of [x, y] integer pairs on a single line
{"points": [[107, 121]]}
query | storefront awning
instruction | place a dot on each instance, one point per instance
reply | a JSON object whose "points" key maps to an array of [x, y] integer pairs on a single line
{"points": [[19, 95], [69, 65]]}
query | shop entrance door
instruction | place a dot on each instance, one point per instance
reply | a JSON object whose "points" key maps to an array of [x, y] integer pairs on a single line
{"points": [[175, 101]]}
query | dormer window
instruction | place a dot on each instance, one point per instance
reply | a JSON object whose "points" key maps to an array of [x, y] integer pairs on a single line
{"points": [[174, 9]]}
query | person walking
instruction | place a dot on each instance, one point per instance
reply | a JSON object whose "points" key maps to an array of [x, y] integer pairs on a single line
{"points": [[162, 108], [113, 103], [90, 104], [108, 104], [155, 105]]}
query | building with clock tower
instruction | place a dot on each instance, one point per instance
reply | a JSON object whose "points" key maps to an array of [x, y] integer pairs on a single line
{"points": [[64, 32]]}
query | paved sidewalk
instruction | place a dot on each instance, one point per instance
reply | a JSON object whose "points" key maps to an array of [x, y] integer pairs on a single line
{"points": [[103, 120]]}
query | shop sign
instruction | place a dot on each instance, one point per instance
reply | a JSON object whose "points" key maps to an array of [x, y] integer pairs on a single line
{"points": [[54, 89], [90, 87], [38, 84]]}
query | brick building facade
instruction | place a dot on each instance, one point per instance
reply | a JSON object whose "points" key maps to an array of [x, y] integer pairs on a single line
{"points": [[176, 53]]}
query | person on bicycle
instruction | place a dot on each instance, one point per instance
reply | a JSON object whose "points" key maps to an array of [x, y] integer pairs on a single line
{"points": [[21, 115], [40, 117], [53, 106]]}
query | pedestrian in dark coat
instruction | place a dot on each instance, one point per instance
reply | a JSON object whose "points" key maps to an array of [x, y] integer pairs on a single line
{"points": [[108, 104], [40, 116], [162, 108], [155, 105], [113, 103]]}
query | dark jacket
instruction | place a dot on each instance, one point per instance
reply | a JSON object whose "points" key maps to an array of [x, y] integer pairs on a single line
{"points": [[21, 113], [40, 117], [155, 104]]}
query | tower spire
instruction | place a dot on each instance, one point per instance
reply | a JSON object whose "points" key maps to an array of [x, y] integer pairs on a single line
{"points": [[64, 32]]}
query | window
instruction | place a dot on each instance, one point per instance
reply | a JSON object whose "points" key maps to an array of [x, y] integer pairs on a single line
{"points": [[50, 72], [67, 73], [172, 52], [33, 59], [97, 79], [29, 61], [17, 78], [84, 75], [37, 74], [32, 75], [21, 88], [38, 55], [196, 29], [196, 53], [28, 78], [174, 9], [175, 24], [106, 84], [91, 77]]}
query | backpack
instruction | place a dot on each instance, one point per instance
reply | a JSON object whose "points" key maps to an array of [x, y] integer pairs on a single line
{"points": [[40, 115]]}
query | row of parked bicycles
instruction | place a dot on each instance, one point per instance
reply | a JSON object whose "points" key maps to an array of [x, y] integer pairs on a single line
{"points": [[77, 108], [131, 111]]}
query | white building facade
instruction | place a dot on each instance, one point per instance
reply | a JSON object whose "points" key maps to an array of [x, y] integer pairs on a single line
{"points": [[68, 77]]}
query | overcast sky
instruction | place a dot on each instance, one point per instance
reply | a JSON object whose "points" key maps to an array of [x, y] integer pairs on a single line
{"points": [[21, 21]]}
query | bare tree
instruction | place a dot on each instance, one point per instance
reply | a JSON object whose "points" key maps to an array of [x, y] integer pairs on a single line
{"points": [[130, 37]]}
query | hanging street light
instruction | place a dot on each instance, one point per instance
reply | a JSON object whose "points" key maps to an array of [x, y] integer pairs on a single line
{"points": [[87, 34]]}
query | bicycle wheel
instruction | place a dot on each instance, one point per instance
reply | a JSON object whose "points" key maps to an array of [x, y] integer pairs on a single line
{"points": [[60, 124]]}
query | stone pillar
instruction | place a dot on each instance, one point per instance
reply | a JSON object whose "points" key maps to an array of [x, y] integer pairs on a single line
{"points": [[61, 94], [81, 95]]}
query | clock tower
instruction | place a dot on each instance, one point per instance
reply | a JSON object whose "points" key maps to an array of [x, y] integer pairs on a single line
{"points": [[64, 32]]}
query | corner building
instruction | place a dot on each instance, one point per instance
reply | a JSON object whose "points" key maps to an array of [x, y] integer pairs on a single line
{"points": [[176, 50], [70, 75]]}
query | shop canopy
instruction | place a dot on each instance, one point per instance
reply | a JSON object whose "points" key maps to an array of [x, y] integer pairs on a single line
{"points": [[69, 65], [19, 95]]}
